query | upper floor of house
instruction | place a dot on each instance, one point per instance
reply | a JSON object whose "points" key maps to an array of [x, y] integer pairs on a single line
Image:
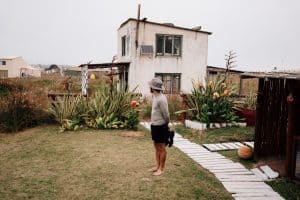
{"points": [[146, 39], [12, 61]]}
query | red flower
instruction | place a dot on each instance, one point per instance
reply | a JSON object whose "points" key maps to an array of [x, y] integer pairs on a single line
{"points": [[134, 104]]}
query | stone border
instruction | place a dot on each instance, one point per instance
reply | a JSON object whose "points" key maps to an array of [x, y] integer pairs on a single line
{"points": [[202, 126]]}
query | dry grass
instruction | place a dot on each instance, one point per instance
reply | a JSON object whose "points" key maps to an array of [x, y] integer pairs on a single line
{"points": [[42, 164]]}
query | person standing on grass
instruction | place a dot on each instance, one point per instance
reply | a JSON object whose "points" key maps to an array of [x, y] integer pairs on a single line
{"points": [[159, 125]]}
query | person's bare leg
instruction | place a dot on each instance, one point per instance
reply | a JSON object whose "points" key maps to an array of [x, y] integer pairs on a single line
{"points": [[157, 159], [163, 156], [162, 159]]}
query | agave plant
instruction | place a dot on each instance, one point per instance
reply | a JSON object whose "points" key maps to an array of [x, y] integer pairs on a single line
{"points": [[250, 101], [109, 108], [66, 108]]}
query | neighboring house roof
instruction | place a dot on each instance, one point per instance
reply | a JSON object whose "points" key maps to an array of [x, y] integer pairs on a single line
{"points": [[9, 57], [166, 25], [106, 65], [221, 69]]}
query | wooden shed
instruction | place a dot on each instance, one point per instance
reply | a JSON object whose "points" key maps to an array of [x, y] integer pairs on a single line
{"points": [[277, 129]]}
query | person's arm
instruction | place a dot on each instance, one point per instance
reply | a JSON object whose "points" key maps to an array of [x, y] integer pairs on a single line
{"points": [[163, 105]]}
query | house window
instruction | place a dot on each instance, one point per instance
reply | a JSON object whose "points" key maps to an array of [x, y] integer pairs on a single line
{"points": [[3, 62], [125, 45], [168, 45], [3, 73], [171, 82]]}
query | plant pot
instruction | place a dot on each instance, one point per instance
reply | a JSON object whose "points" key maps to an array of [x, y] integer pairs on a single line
{"points": [[248, 114]]}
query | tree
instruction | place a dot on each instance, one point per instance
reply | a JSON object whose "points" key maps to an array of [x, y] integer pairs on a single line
{"points": [[230, 62]]}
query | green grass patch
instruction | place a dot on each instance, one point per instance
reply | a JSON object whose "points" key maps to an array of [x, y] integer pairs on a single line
{"points": [[230, 134], [42, 163], [287, 189]]}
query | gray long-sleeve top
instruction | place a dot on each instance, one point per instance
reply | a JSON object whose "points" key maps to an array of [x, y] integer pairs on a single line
{"points": [[160, 111]]}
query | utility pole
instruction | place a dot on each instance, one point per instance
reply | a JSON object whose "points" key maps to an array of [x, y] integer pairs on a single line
{"points": [[137, 27]]}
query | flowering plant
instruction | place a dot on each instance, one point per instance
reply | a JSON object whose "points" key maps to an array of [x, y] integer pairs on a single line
{"points": [[133, 119], [212, 103]]}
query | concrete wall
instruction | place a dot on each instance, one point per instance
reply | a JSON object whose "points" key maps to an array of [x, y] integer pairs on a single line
{"points": [[191, 64]]}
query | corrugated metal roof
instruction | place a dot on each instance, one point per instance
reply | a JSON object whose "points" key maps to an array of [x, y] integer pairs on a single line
{"points": [[276, 75], [165, 25], [106, 65]]}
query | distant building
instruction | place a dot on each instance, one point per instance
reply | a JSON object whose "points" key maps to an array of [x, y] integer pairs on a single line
{"points": [[13, 67], [52, 69]]}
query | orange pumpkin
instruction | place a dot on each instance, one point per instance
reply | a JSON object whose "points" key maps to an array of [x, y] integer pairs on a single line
{"points": [[245, 152]]}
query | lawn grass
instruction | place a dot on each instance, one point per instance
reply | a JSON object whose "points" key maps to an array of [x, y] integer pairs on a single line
{"points": [[287, 189], [230, 134], [41, 163]]}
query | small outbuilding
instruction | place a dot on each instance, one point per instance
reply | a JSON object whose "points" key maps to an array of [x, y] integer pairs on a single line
{"points": [[277, 128]]}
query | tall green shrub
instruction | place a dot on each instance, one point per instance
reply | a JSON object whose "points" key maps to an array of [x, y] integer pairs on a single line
{"points": [[20, 107], [17, 111]]}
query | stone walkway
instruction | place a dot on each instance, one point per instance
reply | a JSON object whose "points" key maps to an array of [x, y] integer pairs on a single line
{"points": [[239, 181], [227, 146]]}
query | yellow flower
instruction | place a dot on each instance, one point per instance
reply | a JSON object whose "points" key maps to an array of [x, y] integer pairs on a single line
{"points": [[226, 92], [216, 95]]}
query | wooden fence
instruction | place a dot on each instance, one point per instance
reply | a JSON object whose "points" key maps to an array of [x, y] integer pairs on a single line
{"points": [[271, 118]]}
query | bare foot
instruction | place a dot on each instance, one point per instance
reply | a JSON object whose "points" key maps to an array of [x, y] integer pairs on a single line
{"points": [[158, 173], [153, 169]]}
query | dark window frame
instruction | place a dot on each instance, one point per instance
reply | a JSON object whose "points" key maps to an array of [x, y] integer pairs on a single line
{"points": [[173, 76], [3, 73], [123, 45], [3, 62], [163, 53]]}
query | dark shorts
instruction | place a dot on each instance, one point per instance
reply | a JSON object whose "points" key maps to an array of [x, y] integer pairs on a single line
{"points": [[160, 133]]}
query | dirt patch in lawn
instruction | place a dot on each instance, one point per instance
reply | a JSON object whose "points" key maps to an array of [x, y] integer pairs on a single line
{"points": [[134, 134]]}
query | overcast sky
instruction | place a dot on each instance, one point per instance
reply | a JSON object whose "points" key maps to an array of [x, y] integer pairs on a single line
{"points": [[264, 33]]}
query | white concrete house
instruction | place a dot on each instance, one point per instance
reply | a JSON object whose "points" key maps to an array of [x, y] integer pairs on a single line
{"points": [[13, 67], [175, 54]]}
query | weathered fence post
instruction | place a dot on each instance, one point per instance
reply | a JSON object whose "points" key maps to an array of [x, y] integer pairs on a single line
{"points": [[84, 80]]}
